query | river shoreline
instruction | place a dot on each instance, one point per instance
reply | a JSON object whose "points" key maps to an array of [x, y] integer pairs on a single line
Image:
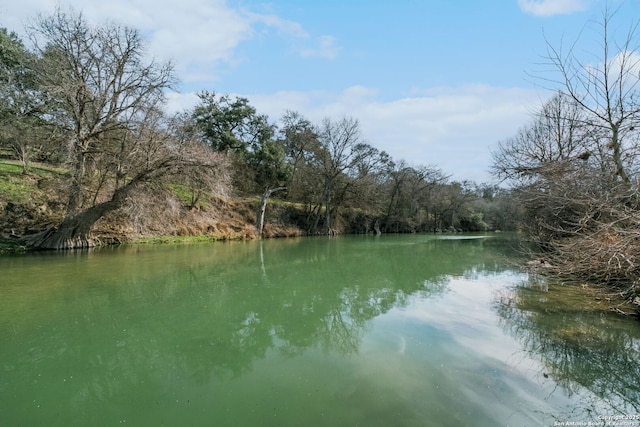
{"points": [[585, 297]]}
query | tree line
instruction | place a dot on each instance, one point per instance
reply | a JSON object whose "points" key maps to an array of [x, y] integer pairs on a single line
{"points": [[87, 98]]}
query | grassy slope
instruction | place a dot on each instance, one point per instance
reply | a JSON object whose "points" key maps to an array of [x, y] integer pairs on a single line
{"points": [[28, 202], [17, 187]]}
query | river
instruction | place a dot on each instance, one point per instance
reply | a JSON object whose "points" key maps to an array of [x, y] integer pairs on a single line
{"points": [[392, 330]]}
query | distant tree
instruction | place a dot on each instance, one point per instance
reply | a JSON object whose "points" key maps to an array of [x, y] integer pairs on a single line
{"points": [[398, 174], [410, 197], [22, 128], [450, 203], [500, 208], [271, 171], [230, 124], [299, 138], [195, 186], [365, 187], [268, 165], [340, 160], [108, 101], [234, 127]]}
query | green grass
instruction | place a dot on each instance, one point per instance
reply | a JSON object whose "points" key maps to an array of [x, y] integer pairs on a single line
{"points": [[185, 195], [278, 202], [14, 185], [176, 239], [35, 168], [28, 189], [11, 246], [19, 187]]}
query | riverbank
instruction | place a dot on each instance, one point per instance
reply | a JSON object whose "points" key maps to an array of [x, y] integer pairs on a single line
{"points": [[583, 297], [232, 219], [30, 203], [11, 246]]}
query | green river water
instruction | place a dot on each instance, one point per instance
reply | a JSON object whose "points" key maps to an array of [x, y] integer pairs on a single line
{"points": [[409, 330]]}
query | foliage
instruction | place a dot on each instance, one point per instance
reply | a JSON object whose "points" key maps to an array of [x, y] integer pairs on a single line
{"points": [[22, 128], [342, 169], [17, 187], [85, 99], [228, 124], [268, 165], [233, 126], [92, 87]]}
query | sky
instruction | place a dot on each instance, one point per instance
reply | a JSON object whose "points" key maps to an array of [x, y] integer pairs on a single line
{"points": [[432, 82]]}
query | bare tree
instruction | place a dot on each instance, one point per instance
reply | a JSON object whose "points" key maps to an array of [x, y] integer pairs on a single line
{"points": [[108, 100], [606, 91], [341, 163], [576, 167], [557, 135], [411, 197], [300, 140]]}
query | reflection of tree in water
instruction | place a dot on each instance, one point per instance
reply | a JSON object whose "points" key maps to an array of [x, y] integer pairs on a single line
{"points": [[161, 324], [321, 296], [579, 348]]}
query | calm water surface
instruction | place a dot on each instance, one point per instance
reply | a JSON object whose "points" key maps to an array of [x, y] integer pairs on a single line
{"points": [[351, 331]]}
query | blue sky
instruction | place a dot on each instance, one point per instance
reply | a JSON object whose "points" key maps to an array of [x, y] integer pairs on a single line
{"points": [[432, 82]]}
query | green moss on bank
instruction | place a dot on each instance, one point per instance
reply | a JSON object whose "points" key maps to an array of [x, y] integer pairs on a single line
{"points": [[176, 239], [8, 246]]}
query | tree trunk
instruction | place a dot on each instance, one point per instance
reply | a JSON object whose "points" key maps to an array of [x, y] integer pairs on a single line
{"points": [[75, 230], [65, 236], [617, 156], [263, 208], [317, 211], [376, 227], [328, 208]]}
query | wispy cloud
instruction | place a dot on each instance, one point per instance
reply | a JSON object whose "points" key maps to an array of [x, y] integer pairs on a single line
{"points": [[451, 127], [198, 36], [284, 26], [325, 47], [552, 7]]}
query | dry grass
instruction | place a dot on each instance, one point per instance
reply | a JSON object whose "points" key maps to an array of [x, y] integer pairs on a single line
{"points": [[165, 220], [31, 203]]}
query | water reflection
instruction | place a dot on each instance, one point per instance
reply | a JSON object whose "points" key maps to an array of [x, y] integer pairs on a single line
{"points": [[584, 349], [108, 332]]}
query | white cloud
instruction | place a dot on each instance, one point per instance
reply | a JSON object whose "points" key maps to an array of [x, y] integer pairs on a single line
{"points": [[454, 128], [552, 7], [325, 48], [626, 64], [178, 102], [196, 35], [283, 25]]}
